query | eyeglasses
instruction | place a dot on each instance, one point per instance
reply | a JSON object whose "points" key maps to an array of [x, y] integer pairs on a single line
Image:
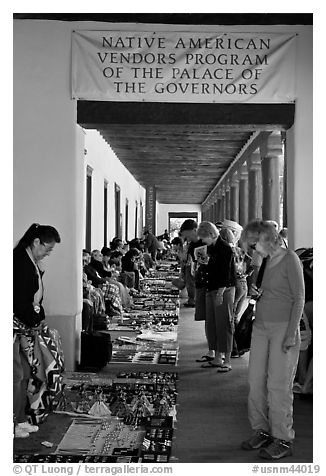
{"points": [[47, 249]]}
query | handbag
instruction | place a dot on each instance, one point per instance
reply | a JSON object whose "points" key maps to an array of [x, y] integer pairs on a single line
{"points": [[305, 332], [179, 283], [243, 330], [200, 276]]}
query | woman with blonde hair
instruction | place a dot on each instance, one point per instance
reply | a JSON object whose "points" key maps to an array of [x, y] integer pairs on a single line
{"points": [[231, 233], [220, 290], [275, 343]]}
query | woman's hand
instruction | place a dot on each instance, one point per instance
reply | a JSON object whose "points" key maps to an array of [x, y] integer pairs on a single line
{"points": [[253, 291], [288, 342], [219, 297]]}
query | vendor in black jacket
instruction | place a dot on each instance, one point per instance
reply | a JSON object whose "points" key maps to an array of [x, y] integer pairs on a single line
{"points": [[36, 244], [220, 291]]}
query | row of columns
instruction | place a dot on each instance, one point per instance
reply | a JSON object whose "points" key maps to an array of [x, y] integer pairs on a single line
{"points": [[253, 190]]}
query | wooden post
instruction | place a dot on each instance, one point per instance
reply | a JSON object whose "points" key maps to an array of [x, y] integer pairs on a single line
{"points": [[227, 201], [222, 203]]}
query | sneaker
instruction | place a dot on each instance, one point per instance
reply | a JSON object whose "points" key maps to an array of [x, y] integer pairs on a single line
{"points": [[20, 433], [25, 426], [276, 449], [257, 440]]}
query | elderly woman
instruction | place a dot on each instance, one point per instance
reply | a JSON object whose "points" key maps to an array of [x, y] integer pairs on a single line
{"points": [[231, 233], [275, 344], [220, 290]]}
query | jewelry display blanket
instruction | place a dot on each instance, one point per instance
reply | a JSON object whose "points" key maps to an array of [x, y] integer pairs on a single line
{"points": [[100, 437], [139, 411]]}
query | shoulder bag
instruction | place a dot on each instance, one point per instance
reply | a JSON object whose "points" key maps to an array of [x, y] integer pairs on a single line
{"points": [[243, 331]]}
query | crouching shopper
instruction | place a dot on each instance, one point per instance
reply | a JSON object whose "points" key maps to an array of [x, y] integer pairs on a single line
{"points": [[275, 344], [37, 354]]}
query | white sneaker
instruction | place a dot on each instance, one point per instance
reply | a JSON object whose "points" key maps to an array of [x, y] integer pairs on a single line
{"points": [[20, 433], [25, 426]]}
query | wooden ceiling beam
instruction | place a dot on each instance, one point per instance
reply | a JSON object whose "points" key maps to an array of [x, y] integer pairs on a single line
{"points": [[213, 138], [91, 113], [173, 158]]}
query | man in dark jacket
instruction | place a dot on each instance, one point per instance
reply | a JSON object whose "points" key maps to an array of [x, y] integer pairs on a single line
{"points": [[151, 244]]}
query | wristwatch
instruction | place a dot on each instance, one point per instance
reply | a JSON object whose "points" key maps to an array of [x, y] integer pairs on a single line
{"points": [[37, 308]]}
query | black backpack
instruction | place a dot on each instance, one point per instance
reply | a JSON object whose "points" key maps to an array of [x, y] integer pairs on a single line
{"points": [[306, 258]]}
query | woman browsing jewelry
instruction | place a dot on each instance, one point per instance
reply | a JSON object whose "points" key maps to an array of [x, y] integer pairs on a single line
{"points": [[275, 344], [36, 366], [220, 291]]}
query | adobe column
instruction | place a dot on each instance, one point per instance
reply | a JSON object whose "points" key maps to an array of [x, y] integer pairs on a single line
{"points": [[222, 203], [211, 212], [270, 153], [234, 198], [215, 210], [243, 194], [207, 213], [219, 206], [150, 209], [254, 204], [208, 216], [227, 200]]}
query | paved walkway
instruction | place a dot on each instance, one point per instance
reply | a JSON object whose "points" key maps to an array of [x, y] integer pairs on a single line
{"points": [[212, 407], [211, 412]]}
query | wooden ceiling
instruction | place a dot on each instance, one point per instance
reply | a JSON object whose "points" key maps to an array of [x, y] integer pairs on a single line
{"points": [[183, 161], [182, 149]]}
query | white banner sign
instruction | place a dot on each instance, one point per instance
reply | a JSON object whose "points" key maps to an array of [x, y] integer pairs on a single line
{"points": [[183, 67]]}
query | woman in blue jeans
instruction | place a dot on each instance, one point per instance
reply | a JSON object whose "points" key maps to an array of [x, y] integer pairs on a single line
{"points": [[275, 344]]}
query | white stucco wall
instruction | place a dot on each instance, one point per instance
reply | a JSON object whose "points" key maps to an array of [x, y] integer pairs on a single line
{"points": [[300, 151], [47, 162], [106, 166]]}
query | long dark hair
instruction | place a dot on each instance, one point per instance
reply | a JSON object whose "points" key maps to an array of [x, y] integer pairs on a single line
{"points": [[45, 233]]}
